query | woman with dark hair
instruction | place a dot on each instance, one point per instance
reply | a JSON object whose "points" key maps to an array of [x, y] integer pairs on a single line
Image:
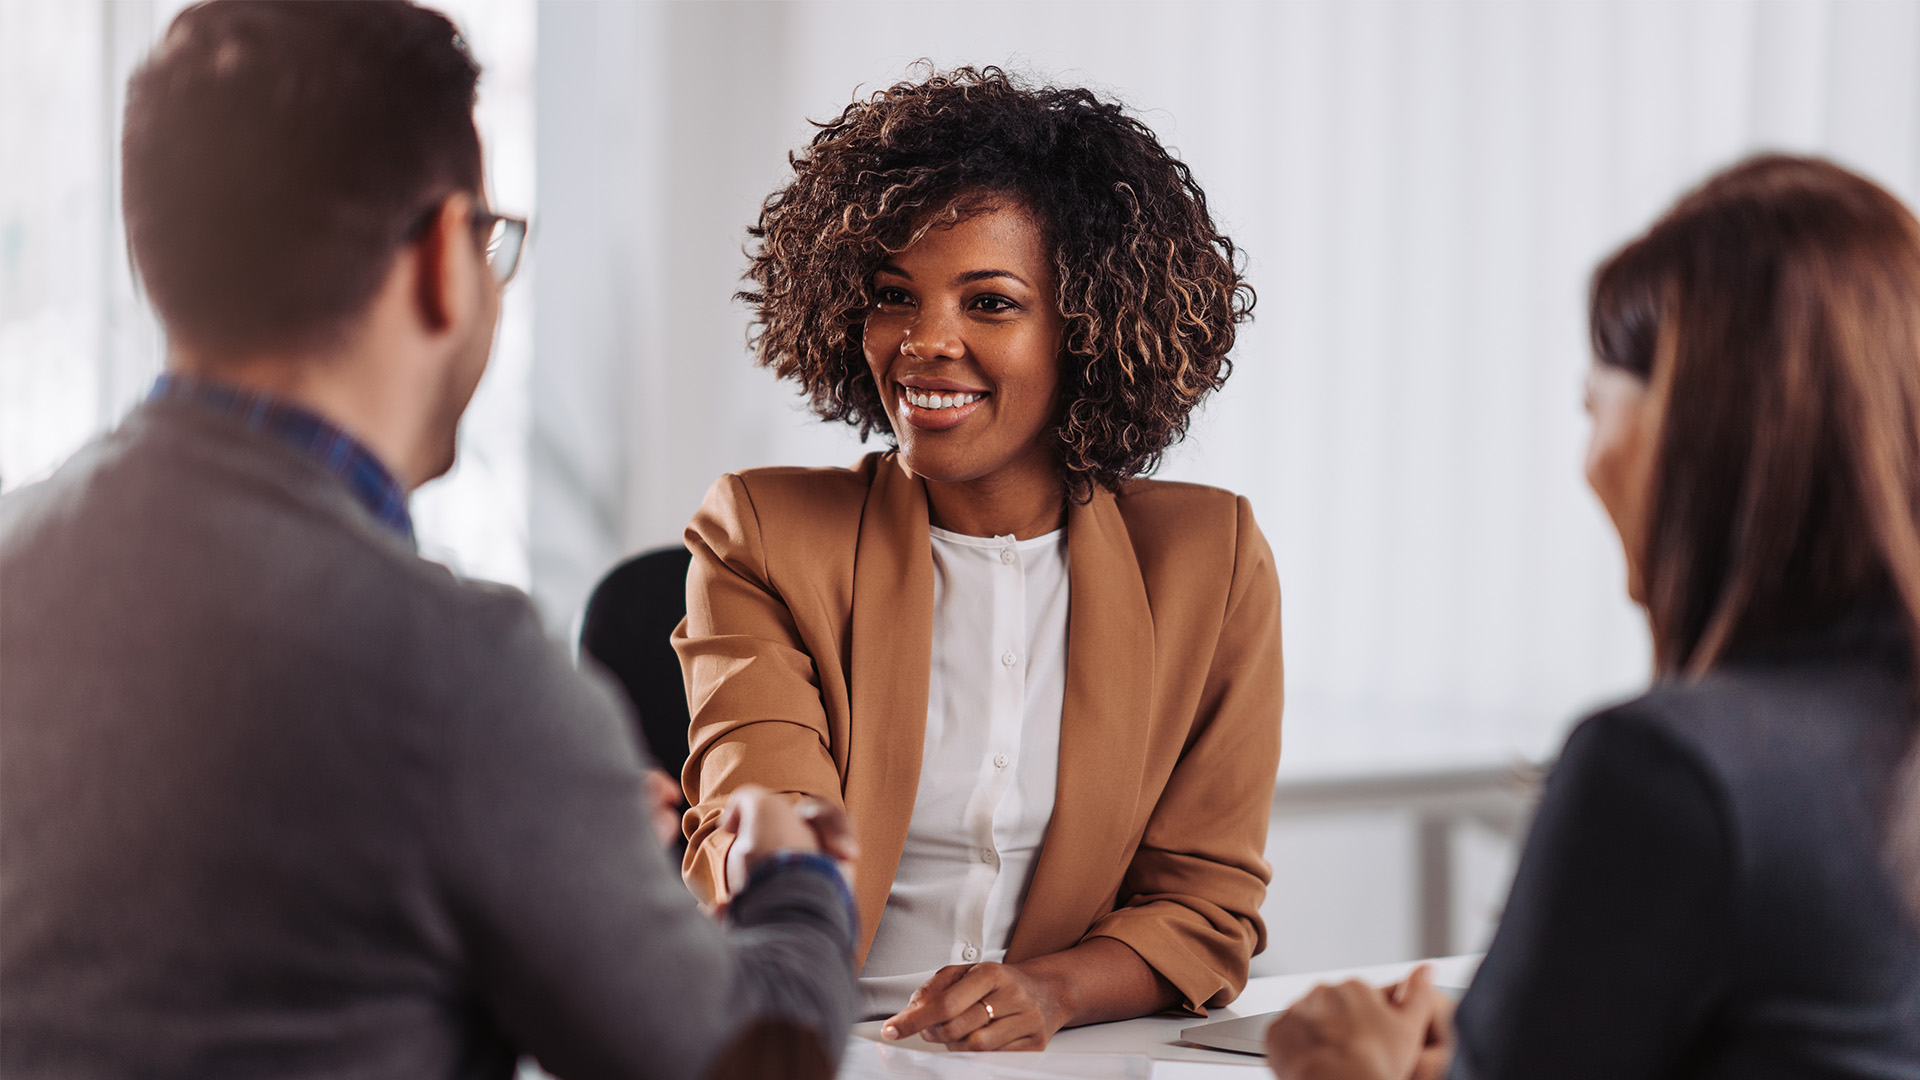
{"points": [[1047, 692], [1723, 879]]}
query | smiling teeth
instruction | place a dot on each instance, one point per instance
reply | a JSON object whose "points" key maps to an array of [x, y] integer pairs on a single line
{"points": [[938, 401]]}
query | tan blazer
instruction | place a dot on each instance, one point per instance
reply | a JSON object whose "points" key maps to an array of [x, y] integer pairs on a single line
{"points": [[807, 647]]}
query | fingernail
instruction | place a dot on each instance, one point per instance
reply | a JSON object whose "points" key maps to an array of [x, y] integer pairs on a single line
{"points": [[890, 1031]]}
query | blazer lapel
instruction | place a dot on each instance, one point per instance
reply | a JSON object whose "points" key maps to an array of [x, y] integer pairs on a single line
{"points": [[890, 658], [1103, 733]]}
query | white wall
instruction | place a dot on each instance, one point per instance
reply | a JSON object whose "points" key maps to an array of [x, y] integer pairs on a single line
{"points": [[1422, 190], [79, 345]]}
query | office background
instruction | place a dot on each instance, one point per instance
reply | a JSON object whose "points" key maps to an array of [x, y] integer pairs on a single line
{"points": [[1421, 189]]}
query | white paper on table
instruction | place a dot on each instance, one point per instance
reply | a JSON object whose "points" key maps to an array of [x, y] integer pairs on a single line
{"points": [[869, 1060]]}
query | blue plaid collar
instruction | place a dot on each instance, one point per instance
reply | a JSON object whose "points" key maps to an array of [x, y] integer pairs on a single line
{"points": [[335, 450]]}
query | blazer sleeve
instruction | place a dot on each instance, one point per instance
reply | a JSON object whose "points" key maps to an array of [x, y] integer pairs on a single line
{"points": [[573, 936], [1616, 948], [752, 689], [1190, 899]]}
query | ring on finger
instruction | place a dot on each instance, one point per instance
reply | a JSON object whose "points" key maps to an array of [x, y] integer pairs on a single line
{"points": [[989, 1007]]}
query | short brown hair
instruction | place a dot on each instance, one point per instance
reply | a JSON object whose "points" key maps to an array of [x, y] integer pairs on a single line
{"points": [[276, 155], [1150, 290]]}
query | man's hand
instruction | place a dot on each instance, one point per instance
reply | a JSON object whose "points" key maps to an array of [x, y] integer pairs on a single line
{"points": [[953, 1008], [832, 829], [1358, 1032], [765, 824]]}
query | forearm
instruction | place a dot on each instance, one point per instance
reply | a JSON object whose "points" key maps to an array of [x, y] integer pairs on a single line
{"points": [[703, 866], [792, 931], [1098, 980]]}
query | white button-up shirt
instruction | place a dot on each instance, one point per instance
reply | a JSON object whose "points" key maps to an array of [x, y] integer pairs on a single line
{"points": [[989, 765]]}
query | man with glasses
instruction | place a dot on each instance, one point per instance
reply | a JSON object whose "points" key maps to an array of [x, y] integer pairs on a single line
{"points": [[278, 797]]}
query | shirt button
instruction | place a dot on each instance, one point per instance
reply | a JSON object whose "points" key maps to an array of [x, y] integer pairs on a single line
{"points": [[987, 857], [999, 761], [1006, 556], [1008, 659], [969, 954]]}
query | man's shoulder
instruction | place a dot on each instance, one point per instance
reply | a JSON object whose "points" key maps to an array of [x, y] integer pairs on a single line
{"points": [[30, 510], [169, 459], [166, 506]]}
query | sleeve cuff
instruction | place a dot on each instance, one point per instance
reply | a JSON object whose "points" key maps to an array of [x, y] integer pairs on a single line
{"points": [[785, 863], [1206, 969]]}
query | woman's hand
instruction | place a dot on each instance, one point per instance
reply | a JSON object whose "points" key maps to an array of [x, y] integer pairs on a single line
{"points": [[1358, 1032], [1098, 980], [663, 806], [981, 1007]]}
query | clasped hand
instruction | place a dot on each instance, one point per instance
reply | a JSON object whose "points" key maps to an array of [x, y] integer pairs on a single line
{"points": [[1354, 1031]]}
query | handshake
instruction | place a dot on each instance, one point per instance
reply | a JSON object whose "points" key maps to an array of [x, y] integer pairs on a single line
{"points": [[762, 824]]}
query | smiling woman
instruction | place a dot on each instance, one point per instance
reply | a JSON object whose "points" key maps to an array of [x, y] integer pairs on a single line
{"points": [[1047, 692], [963, 340]]}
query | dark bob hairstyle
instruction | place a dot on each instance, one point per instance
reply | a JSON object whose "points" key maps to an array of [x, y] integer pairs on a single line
{"points": [[1150, 290]]}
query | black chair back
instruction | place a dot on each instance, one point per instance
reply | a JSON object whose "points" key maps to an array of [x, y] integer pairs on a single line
{"points": [[628, 631]]}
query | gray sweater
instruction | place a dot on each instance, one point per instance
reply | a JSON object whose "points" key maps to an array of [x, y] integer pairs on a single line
{"points": [[278, 797]]}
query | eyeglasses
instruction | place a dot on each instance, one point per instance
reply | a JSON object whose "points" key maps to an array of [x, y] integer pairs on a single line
{"points": [[503, 239], [502, 236]]}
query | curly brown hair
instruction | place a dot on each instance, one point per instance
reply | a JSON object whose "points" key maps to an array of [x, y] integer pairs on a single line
{"points": [[1150, 290]]}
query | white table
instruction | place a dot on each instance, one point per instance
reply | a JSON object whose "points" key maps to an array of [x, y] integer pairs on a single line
{"points": [[1158, 1037]]}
